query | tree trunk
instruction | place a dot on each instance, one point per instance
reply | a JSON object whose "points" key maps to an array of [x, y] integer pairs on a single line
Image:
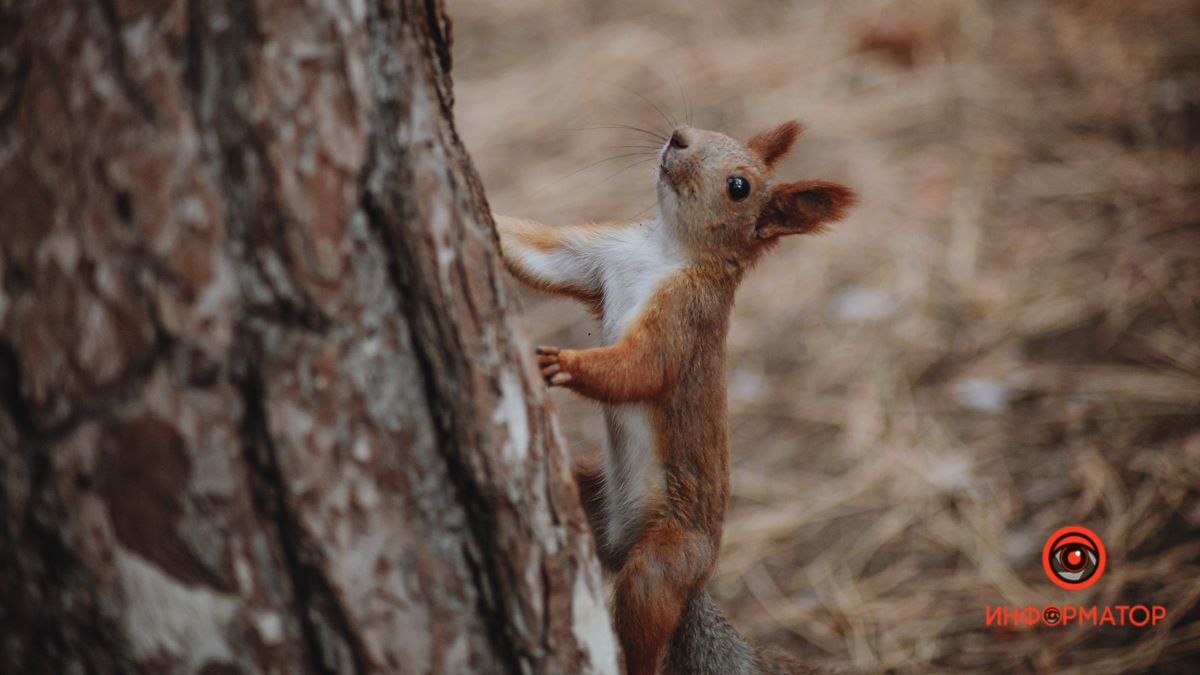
{"points": [[266, 406]]}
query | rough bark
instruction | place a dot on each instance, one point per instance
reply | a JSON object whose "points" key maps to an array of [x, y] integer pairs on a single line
{"points": [[264, 404]]}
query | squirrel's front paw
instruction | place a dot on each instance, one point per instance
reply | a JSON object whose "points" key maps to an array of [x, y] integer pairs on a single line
{"points": [[550, 362]]}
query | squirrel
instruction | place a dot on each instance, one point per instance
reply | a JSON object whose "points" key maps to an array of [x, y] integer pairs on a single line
{"points": [[662, 292]]}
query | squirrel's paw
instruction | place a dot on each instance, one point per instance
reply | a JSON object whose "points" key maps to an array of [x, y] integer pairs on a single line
{"points": [[550, 364]]}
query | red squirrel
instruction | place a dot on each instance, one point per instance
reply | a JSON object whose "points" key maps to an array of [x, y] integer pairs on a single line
{"points": [[663, 291]]}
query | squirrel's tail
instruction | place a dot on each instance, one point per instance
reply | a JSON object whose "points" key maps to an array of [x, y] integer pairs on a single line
{"points": [[706, 644]]}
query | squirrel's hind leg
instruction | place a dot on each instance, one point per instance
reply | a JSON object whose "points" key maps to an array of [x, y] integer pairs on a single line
{"points": [[659, 575]]}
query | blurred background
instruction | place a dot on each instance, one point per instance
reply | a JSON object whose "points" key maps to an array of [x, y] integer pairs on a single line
{"points": [[1003, 338]]}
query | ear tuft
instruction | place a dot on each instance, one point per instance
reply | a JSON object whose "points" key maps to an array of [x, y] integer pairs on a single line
{"points": [[773, 144], [823, 202], [804, 207]]}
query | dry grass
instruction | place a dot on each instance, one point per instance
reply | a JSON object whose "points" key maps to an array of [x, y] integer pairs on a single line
{"points": [[1003, 339]]}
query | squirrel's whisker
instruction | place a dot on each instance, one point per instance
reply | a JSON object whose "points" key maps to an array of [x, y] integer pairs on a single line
{"points": [[653, 149], [640, 161], [648, 207], [671, 124], [653, 134], [687, 107], [589, 166]]}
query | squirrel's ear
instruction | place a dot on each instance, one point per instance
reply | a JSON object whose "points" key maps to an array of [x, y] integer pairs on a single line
{"points": [[803, 207], [773, 144]]}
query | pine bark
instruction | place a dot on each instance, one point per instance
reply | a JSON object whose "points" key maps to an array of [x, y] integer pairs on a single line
{"points": [[265, 401]]}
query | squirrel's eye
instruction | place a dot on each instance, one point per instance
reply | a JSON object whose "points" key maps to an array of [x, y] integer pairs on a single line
{"points": [[739, 188]]}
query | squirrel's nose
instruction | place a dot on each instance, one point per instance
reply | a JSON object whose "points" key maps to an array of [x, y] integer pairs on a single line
{"points": [[680, 139]]}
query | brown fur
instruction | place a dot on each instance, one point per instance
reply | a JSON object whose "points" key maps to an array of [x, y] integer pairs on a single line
{"points": [[672, 357], [803, 207], [774, 143]]}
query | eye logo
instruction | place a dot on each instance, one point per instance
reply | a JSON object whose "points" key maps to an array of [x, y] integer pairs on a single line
{"points": [[1074, 558]]}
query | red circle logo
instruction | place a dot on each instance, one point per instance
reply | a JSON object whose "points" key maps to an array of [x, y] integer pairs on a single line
{"points": [[1074, 557]]}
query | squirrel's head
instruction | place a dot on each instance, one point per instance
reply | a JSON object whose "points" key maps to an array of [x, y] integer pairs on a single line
{"points": [[723, 199]]}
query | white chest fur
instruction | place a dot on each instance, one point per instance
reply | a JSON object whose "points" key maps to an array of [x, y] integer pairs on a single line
{"points": [[635, 264]]}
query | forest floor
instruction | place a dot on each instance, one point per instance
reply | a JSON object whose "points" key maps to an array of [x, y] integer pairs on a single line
{"points": [[1003, 339]]}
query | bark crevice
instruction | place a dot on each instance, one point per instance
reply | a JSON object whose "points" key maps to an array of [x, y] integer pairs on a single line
{"points": [[120, 62], [479, 550], [95, 404], [16, 80], [313, 594], [216, 70]]}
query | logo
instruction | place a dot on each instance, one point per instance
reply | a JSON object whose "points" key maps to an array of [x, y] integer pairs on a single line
{"points": [[1074, 558]]}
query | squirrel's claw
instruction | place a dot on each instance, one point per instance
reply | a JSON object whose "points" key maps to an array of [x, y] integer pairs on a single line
{"points": [[550, 367]]}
